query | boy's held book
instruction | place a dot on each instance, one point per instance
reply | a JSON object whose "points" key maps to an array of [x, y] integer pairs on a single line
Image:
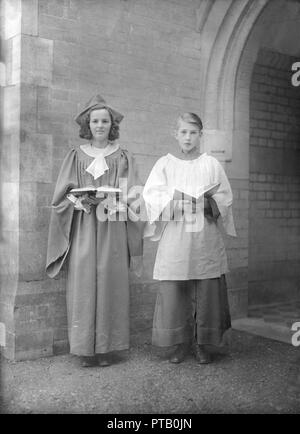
{"points": [[207, 191]]}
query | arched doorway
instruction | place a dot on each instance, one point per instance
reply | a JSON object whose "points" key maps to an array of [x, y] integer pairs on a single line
{"points": [[274, 190], [250, 33]]}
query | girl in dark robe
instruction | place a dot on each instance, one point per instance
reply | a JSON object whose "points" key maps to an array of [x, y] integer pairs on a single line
{"points": [[94, 239]]}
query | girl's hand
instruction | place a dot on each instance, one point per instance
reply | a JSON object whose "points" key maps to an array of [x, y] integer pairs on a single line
{"points": [[78, 203], [89, 199], [80, 206]]}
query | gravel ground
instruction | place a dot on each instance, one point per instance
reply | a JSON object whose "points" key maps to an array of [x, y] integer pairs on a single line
{"points": [[255, 375]]}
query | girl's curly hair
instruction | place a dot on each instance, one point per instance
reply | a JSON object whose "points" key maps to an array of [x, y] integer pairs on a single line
{"points": [[85, 132]]}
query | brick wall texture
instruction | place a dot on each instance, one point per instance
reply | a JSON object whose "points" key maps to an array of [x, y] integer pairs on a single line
{"points": [[274, 213]]}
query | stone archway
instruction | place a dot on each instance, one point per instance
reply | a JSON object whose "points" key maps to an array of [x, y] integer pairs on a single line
{"points": [[232, 34], [273, 276], [224, 28], [224, 35]]}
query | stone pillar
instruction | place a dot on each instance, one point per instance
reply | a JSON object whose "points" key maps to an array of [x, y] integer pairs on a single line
{"points": [[27, 299], [10, 168]]}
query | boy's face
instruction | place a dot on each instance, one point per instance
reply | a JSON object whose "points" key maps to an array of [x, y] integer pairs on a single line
{"points": [[188, 136], [100, 124]]}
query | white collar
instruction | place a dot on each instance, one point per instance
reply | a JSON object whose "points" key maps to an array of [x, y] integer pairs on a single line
{"points": [[98, 166], [92, 151]]}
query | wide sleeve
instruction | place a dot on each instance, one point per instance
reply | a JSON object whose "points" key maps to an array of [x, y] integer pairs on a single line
{"points": [[61, 215], [157, 194], [223, 197], [135, 204]]}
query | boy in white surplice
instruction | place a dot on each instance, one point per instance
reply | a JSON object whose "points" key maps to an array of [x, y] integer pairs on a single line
{"points": [[187, 217]]}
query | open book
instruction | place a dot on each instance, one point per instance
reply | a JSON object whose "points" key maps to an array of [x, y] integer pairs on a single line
{"points": [[207, 192], [94, 190]]}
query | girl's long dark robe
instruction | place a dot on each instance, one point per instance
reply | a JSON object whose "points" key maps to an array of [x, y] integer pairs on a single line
{"points": [[96, 255]]}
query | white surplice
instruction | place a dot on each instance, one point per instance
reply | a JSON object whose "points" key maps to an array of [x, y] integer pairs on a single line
{"points": [[182, 253]]}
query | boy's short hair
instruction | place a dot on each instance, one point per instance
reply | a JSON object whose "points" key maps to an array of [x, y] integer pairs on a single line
{"points": [[191, 118], [85, 132]]}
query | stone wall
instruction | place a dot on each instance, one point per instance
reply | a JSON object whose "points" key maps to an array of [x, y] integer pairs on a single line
{"points": [[274, 180], [57, 54], [145, 58]]}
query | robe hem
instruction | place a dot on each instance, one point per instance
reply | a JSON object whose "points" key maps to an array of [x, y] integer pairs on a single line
{"points": [[98, 351], [201, 277]]}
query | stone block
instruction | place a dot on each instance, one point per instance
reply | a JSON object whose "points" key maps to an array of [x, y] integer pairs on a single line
{"points": [[60, 94], [47, 286], [67, 56], [28, 110], [61, 347], [61, 333], [32, 261], [237, 278], [28, 207], [7, 313], [12, 13], [238, 302], [37, 60], [9, 349], [11, 111], [239, 166], [52, 7], [32, 301], [15, 73], [59, 29], [41, 341], [44, 194], [261, 292], [36, 157], [29, 20], [9, 257], [30, 325], [9, 205]]}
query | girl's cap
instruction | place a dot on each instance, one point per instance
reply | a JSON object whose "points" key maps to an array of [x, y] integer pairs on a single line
{"points": [[98, 102]]}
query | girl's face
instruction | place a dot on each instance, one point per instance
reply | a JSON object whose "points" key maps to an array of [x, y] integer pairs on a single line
{"points": [[188, 136], [100, 124]]}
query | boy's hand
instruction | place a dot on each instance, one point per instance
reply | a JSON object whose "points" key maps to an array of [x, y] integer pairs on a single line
{"points": [[206, 204], [211, 210]]}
